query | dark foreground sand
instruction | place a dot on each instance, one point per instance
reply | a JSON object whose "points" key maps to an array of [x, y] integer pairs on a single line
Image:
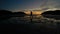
{"points": [[27, 29]]}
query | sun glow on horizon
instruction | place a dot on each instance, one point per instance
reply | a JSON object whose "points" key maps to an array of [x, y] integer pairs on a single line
{"points": [[34, 12]]}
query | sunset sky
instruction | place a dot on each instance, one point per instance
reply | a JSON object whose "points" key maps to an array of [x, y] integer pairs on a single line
{"points": [[15, 5]]}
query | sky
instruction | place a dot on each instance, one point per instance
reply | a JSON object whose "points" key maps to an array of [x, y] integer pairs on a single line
{"points": [[15, 5]]}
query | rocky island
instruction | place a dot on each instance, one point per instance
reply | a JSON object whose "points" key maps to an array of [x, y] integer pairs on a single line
{"points": [[19, 14], [52, 14], [6, 14]]}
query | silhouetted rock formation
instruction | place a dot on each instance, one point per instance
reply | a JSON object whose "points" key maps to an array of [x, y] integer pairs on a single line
{"points": [[19, 14], [5, 14], [52, 14], [56, 12]]}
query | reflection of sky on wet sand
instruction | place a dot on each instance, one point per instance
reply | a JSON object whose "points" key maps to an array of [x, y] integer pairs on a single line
{"points": [[36, 20]]}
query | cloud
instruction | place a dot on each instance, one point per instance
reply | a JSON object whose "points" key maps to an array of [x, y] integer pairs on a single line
{"points": [[51, 4]]}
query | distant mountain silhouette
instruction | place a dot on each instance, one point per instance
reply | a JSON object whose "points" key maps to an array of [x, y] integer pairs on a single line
{"points": [[52, 14], [56, 12], [19, 14], [5, 14]]}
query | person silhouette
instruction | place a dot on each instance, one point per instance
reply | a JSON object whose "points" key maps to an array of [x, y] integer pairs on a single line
{"points": [[31, 13], [31, 17]]}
